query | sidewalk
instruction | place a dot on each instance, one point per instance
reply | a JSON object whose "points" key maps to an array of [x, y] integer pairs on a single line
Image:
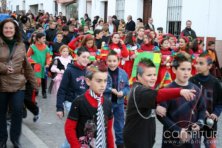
{"points": [[49, 128]]}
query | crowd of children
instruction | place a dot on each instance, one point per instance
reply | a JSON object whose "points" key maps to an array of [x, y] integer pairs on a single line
{"points": [[90, 72]]}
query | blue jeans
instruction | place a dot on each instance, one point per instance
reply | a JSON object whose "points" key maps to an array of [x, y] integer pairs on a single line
{"points": [[67, 106], [16, 100], [118, 112]]}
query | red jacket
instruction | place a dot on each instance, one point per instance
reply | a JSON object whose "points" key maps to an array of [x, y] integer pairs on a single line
{"points": [[122, 52], [75, 42], [147, 47]]}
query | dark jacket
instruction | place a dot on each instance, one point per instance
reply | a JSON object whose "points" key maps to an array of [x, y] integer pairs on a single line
{"points": [[72, 85], [25, 37], [123, 85], [130, 26], [147, 26], [189, 32], [116, 23], [50, 34], [180, 114], [55, 48], [211, 92]]}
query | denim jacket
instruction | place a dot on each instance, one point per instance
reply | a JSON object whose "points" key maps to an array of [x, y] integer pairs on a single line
{"points": [[123, 85]]}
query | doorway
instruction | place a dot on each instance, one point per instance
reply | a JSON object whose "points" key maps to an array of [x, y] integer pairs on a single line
{"points": [[147, 10]]}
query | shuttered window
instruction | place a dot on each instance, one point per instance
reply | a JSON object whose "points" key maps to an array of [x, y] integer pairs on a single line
{"points": [[120, 4], [174, 17]]}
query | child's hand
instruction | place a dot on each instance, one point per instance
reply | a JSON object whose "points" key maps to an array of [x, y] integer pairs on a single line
{"points": [[62, 71], [114, 91], [214, 117], [119, 94], [161, 111], [188, 94], [184, 136], [121, 42], [207, 113], [60, 114], [195, 127]]}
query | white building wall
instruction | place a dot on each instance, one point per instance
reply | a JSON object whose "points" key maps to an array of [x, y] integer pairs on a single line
{"points": [[61, 8], [216, 16], [111, 8], [46, 5], [159, 13], [205, 17], [198, 14], [82, 8], [102, 10], [11, 4], [203, 14], [96, 8], [89, 8], [134, 8]]}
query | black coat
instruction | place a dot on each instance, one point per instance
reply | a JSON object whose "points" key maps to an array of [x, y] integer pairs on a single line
{"points": [[50, 34], [189, 32], [26, 36], [147, 26], [130, 26]]}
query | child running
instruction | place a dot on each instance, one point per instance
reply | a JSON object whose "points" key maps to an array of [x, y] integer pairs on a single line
{"points": [[40, 53], [140, 127], [89, 123], [58, 68], [117, 88], [183, 119], [212, 96]]}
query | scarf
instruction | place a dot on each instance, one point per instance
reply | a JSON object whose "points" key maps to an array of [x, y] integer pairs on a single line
{"points": [[101, 135]]}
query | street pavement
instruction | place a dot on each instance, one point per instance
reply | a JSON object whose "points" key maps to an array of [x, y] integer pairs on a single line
{"points": [[48, 132]]}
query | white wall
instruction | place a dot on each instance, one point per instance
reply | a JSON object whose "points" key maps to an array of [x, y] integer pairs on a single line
{"points": [[204, 14], [205, 17], [159, 13], [102, 9], [11, 4], [47, 5], [62, 8], [89, 9], [217, 21], [198, 14], [96, 8], [139, 10], [82, 8], [134, 8], [111, 7]]}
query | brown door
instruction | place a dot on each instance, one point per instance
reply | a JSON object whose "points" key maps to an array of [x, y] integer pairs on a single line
{"points": [[147, 10], [105, 11]]}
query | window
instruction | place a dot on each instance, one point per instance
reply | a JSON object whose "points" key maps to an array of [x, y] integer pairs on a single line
{"points": [[174, 17], [72, 10], [120, 4], [174, 27], [17, 8]]}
